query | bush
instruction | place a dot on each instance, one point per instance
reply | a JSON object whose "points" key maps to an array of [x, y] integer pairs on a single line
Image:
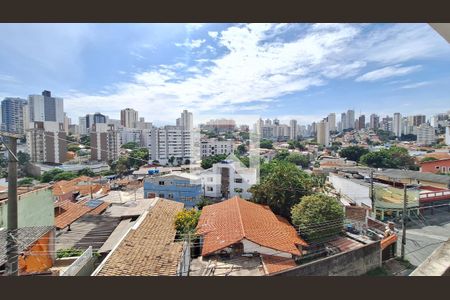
{"points": [[25, 181], [186, 221], [70, 252]]}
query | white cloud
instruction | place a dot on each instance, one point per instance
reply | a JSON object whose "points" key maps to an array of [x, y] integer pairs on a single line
{"points": [[213, 34], [8, 79], [387, 72], [257, 67], [415, 85], [191, 44], [194, 26]]}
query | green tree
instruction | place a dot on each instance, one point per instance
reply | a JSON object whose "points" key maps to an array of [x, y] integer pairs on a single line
{"points": [[281, 155], [318, 217], [430, 158], [25, 181], [85, 140], [281, 187], [138, 157], [86, 172], [298, 159], [203, 202], [207, 162], [50, 175], [394, 157], [130, 145], [241, 149], [266, 144], [73, 148], [353, 153], [186, 221], [24, 158], [65, 176]]}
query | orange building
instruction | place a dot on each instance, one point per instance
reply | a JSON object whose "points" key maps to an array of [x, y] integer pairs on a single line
{"points": [[436, 166]]}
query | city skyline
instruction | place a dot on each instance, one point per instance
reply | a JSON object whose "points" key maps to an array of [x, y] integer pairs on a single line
{"points": [[239, 71]]}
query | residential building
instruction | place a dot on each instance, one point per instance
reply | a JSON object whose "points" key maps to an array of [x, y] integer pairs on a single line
{"points": [[418, 120], [447, 135], [186, 120], [220, 125], [82, 125], [171, 141], [128, 135], [35, 247], [214, 146], [374, 122], [436, 166], [240, 228], [67, 122], [323, 133], [150, 247], [425, 134], [46, 142], [144, 125], [128, 117], [45, 108], [386, 124], [227, 179], [344, 122], [185, 188], [397, 124], [350, 118], [74, 129], [293, 132], [332, 121], [105, 142], [35, 207], [13, 115], [361, 122]]}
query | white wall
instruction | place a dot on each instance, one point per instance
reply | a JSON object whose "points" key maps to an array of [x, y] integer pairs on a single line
{"points": [[250, 247]]}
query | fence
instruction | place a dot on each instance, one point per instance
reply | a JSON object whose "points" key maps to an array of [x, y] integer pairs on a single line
{"points": [[75, 268]]}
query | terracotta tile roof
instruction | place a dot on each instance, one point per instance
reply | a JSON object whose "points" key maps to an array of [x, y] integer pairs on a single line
{"points": [[274, 264], [345, 244], [63, 187], [99, 209], [226, 223], [435, 161], [150, 249], [73, 211], [438, 155], [388, 241]]}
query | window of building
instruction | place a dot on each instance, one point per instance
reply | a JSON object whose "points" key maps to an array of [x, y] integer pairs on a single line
{"points": [[161, 195], [238, 180], [210, 189], [170, 196], [437, 167], [238, 190], [161, 183]]}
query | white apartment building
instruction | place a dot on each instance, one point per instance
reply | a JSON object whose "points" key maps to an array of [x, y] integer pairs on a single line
{"points": [[212, 146], [332, 121], [293, 132], [227, 179], [397, 124], [45, 108], [128, 135], [425, 134], [186, 120], [350, 118], [46, 142], [171, 141], [323, 133], [105, 142]]}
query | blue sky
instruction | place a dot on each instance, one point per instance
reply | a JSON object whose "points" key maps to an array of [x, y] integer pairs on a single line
{"points": [[243, 71]]}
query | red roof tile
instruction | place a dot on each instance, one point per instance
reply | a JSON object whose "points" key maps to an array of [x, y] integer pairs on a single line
{"points": [[274, 264], [226, 223]]}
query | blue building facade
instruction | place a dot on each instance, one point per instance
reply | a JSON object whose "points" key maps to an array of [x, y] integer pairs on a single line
{"points": [[180, 187]]}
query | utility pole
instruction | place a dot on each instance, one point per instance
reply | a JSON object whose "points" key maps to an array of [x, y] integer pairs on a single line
{"points": [[12, 250], [372, 196], [405, 202]]}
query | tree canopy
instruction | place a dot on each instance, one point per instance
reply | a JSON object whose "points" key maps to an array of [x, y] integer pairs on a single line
{"points": [[130, 145], [318, 217], [353, 153], [266, 144], [281, 186], [394, 157], [430, 158], [207, 162]]}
